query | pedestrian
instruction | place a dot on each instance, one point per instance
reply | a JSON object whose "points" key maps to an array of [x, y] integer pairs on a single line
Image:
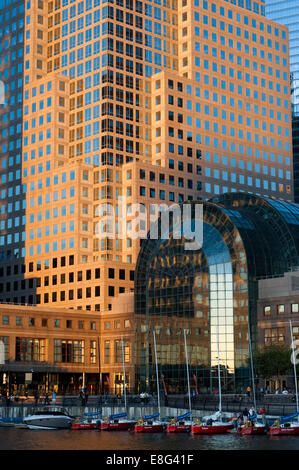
{"points": [[264, 415], [251, 416], [239, 421], [54, 398], [8, 401], [268, 390], [82, 397], [35, 397], [47, 400], [86, 396], [235, 420], [245, 415], [248, 390]]}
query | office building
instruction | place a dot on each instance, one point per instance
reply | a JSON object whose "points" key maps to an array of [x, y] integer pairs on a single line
{"points": [[287, 13], [156, 103], [211, 293]]}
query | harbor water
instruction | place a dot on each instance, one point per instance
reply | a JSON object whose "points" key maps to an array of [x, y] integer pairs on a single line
{"points": [[25, 439]]}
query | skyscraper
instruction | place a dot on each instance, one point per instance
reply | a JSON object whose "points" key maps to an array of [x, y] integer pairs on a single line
{"points": [[287, 13], [129, 102]]}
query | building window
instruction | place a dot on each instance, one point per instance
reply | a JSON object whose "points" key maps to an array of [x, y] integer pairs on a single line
{"points": [[295, 308], [107, 352], [44, 322], [19, 321], [5, 341], [30, 349], [31, 321], [71, 351], [93, 352], [274, 336], [280, 309], [267, 310], [118, 355], [127, 323], [5, 320], [107, 325], [80, 324], [92, 325], [57, 323], [69, 323]]}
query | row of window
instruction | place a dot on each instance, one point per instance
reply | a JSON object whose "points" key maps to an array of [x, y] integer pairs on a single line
{"points": [[45, 323], [281, 309]]}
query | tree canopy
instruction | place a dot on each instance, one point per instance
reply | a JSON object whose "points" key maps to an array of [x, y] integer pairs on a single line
{"points": [[272, 361]]}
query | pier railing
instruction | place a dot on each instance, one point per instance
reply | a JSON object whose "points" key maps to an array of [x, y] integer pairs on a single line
{"points": [[274, 404]]}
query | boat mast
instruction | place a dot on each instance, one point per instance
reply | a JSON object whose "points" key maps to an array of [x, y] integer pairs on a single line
{"points": [[157, 375], [294, 363], [219, 379], [124, 371], [252, 371], [189, 395]]}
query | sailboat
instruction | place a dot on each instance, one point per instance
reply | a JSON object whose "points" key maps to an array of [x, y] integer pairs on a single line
{"points": [[119, 421], [182, 423], [152, 423], [213, 424], [252, 427], [91, 420], [284, 426]]}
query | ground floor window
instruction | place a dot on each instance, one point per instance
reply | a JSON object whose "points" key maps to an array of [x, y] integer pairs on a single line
{"points": [[68, 351], [30, 349]]}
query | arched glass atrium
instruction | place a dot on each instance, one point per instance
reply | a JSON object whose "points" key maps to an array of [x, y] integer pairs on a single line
{"points": [[211, 289]]}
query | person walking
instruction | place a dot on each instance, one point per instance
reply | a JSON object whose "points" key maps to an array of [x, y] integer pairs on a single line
{"points": [[264, 415], [248, 390], [251, 416], [245, 415], [35, 397], [82, 397], [54, 398], [235, 420], [86, 396]]}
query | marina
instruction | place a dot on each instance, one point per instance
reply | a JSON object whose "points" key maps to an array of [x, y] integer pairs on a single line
{"points": [[66, 439]]}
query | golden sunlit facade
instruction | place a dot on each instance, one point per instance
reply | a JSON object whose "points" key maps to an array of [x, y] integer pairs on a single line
{"points": [[155, 103]]}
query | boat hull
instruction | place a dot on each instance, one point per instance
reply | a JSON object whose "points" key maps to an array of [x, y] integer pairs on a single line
{"points": [[291, 431], [254, 431], [122, 426], [217, 429], [178, 428], [148, 428], [83, 426], [48, 422]]}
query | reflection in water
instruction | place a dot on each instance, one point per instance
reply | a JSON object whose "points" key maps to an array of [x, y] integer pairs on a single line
{"points": [[24, 439]]}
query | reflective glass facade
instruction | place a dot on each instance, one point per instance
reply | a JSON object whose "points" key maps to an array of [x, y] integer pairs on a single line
{"points": [[286, 12], [244, 237], [12, 208]]}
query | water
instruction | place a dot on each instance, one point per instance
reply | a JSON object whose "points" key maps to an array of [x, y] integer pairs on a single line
{"points": [[25, 439]]}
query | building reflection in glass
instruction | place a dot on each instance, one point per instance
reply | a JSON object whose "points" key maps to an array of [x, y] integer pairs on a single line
{"points": [[175, 289]]}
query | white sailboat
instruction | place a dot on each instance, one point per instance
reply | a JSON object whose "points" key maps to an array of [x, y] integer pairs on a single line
{"points": [[213, 424], [252, 427], [119, 421], [182, 423], [152, 423]]}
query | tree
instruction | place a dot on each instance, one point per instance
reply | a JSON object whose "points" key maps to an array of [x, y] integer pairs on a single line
{"points": [[272, 361]]}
